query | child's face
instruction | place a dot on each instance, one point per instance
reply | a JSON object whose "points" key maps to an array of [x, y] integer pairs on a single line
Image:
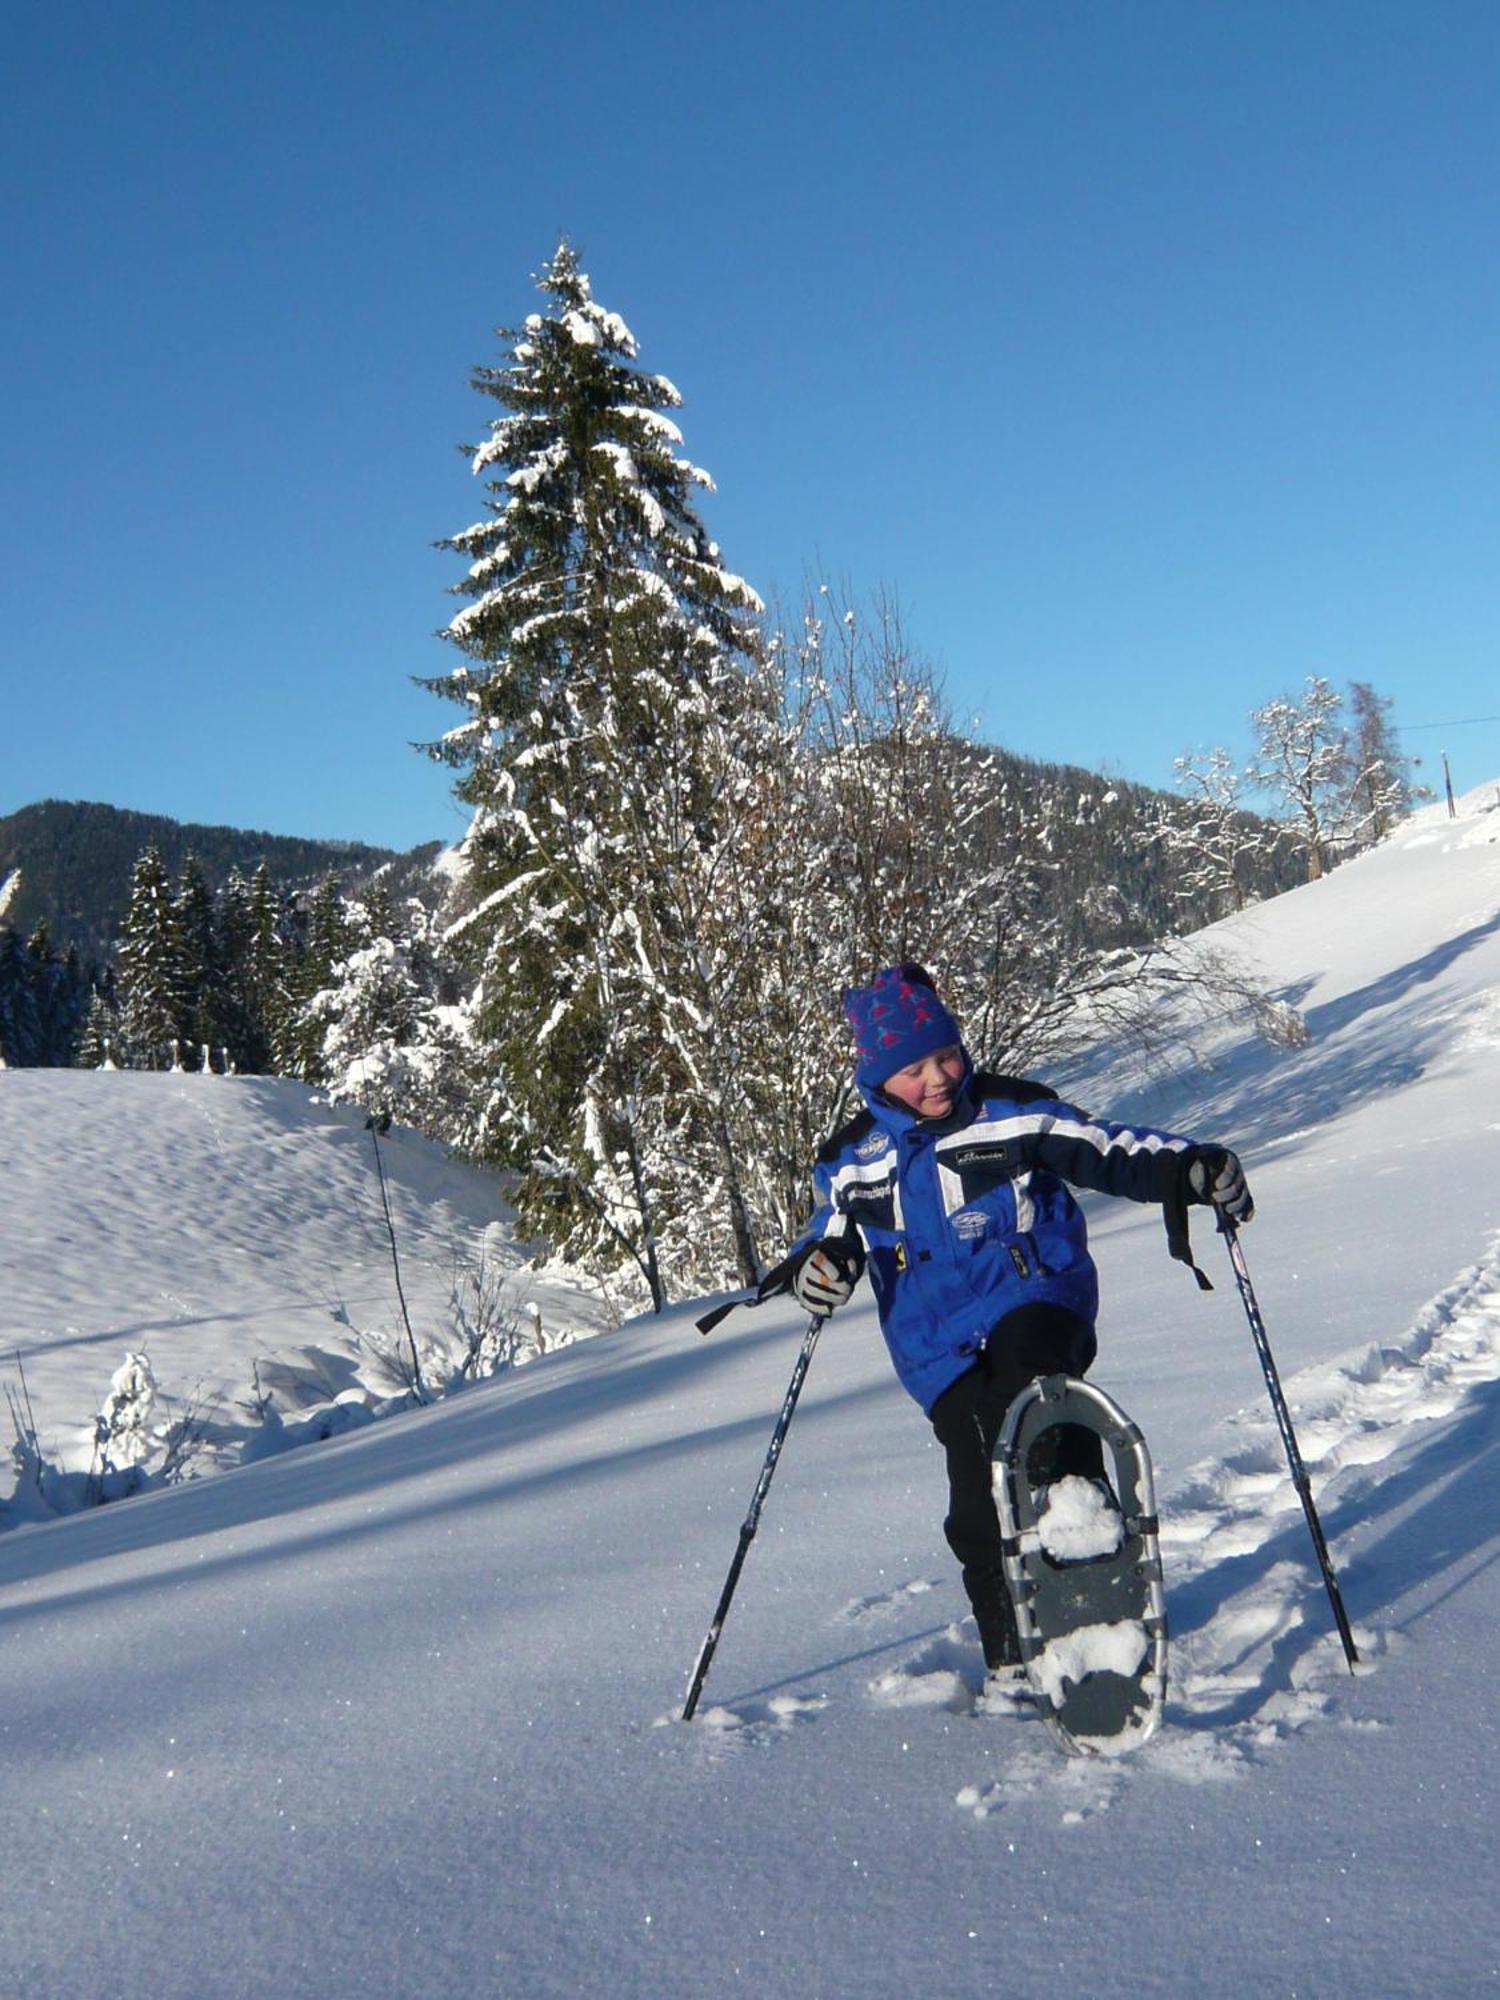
{"points": [[929, 1087]]}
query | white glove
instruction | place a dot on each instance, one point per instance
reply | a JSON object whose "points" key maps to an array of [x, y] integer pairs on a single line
{"points": [[1217, 1176], [824, 1279]]}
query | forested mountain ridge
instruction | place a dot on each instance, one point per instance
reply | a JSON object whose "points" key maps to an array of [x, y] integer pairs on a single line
{"points": [[76, 857], [1114, 875]]}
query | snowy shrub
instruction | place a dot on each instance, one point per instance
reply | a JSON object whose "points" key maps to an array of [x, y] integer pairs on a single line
{"points": [[1281, 1024], [140, 1437], [29, 1498], [122, 1430], [492, 1326]]}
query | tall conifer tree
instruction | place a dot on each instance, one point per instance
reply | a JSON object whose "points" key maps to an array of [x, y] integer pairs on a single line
{"points": [[152, 986], [298, 1046], [262, 973], [20, 1025], [603, 645], [99, 1034], [206, 1009]]}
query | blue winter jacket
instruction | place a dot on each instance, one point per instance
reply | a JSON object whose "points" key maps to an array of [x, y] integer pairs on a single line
{"points": [[961, 1221]]}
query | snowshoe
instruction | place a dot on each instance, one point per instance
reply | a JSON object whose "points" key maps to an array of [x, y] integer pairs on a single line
{"points": [[1077, 1508]]}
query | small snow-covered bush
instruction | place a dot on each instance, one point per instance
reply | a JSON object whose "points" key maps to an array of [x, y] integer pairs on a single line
{"points": [[122, 1429]]}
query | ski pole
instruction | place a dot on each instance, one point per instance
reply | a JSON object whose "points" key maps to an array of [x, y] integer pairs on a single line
{"points": [[375, 1124], [752, 1519], [1288, 1436]]}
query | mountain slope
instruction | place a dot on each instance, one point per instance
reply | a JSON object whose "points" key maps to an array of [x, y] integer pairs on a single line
{"points": [[76, 859], [395, 1714]]}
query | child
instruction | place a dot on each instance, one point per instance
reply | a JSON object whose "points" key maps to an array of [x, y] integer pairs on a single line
{"points": [[949, 1188]]}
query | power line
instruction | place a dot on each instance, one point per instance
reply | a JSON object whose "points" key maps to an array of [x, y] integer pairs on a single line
{"points": [[1464, 722]]}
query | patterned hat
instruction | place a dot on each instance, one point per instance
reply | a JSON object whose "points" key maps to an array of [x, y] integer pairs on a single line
{"points": [[896, 1020]]}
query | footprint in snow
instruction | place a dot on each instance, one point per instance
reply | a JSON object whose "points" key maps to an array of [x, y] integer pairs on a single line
{"points": [[754, 1723], [945, 1672], [1081, 1788], [1214, 1665], [886, 1600]]}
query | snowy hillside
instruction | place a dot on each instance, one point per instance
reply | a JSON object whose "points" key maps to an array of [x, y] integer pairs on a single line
{"points": [[395, 1714], [231, 1231]]}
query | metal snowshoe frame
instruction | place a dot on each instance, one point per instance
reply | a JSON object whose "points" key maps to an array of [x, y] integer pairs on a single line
{"points": [[1052, 1597]]}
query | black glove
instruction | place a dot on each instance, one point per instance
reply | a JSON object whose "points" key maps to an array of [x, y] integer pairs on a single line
{"points": [[1216, 1176], [825, 1277]]}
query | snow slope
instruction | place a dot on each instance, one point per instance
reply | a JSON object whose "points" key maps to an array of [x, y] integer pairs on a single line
{"points": [[395, 1714], [232, 1230]]}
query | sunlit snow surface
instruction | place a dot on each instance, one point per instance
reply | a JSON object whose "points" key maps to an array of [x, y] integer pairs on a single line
{"points": [[232, 1230], [396, 1714]]}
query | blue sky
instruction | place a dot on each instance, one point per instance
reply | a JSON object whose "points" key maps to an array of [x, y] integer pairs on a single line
{"points": [[1147, 351]]}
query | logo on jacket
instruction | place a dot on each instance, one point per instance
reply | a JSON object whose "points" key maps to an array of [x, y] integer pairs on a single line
{"points": [[871, 1148], [970, 1223]]}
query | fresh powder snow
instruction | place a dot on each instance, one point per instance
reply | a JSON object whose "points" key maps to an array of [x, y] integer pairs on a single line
{"points": [[224, 1239], [397, 1713]]}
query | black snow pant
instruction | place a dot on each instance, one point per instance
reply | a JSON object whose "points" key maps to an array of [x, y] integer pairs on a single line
{"points": [[1034, 1340]]}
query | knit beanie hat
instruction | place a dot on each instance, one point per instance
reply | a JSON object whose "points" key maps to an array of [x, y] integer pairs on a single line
{"points": [[896, 1020]]}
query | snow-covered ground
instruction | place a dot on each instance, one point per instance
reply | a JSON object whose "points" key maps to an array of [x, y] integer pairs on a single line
{"points": [[233, 1232], [395, 1714]]}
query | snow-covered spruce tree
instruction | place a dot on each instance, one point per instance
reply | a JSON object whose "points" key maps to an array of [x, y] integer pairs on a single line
{"points": [[152, 989], [259, 971], [125, 1431], [234, 927], [297, 1045], [603, 642], [123, 1427], [1302, 760], [100, 1035], [375, 913], [207, 1013]]}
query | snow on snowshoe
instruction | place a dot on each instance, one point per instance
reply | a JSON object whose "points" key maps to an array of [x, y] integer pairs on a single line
{"points": [[1082, 1564]]}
